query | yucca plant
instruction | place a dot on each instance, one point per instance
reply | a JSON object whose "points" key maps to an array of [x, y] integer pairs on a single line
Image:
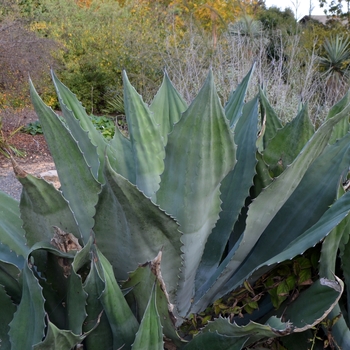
{"points": [[150, 228], [334, 64]]}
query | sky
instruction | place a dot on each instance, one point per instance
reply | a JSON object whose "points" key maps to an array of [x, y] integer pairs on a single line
{"points": [[303, 6]]}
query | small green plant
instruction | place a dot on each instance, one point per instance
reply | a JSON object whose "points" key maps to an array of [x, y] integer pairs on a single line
{"points": [[33, 128], [105, 125]]}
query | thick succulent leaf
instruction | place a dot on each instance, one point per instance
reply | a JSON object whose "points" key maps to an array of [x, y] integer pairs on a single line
{"points": [[274, 327], [340, 330], [283, 187], [209, 341], [234, 191], [286, 145], [72, 109], [141, 282], [260, 138], [77, 182], [76, 296], [9, 278], [344, 256], [130, 230], [62, 289], [59, 339], [330, 219], [121, 157], [167, 107], [55, 287], [262, 178], [337, 239], [93, 286], [328, 259], [8, 255], [75, 303], [318, 186], [121, 319], [309, 309], [149, 336], [314, 304], [81, 136], [269, 118], [102, 338], [221, 334], [83, 256], [318, 189], [146, 141], [11, 231], [341, 129], [7, 311], [199, 154], [234, 105], [28, 324], [42, 207]]}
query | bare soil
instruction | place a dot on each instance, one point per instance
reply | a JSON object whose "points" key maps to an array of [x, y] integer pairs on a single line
{"points": [[37, 157]]}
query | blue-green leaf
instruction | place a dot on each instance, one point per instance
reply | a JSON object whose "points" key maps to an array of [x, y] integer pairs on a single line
{"points": [[43, 207], [11, 231], [10, 279], [282, 227], [234, 105], [199, 154], [130, 230], [103, 338], [28, 324], [7, 311], [149, 335], [342, 128], [146, 141], [59, 339], [286, 145], [121, 157], [91, 141], [77, 182], [269, 119], [234, 191], [167, 107], [122, 321], [141, 282]]}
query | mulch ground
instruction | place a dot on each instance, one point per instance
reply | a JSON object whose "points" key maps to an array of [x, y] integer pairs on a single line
{"points": [[36, 159], [34, 146]]}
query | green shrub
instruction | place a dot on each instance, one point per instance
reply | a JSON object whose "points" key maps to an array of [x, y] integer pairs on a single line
{"points": [[105, 125], [33, 128]]}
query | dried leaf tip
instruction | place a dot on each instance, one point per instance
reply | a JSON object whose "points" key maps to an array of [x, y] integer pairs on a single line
{"points": [[19, 172]]}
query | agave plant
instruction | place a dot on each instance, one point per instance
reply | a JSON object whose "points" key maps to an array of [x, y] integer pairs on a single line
{"points": [[150, 228]]}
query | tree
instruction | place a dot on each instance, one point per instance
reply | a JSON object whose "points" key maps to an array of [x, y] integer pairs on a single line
{"points": [[337, 8], [274, 18], [311, 7], [216, 13]]}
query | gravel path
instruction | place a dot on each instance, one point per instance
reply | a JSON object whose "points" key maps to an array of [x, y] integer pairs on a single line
{"points": [[10, 185], [37, 159]]}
